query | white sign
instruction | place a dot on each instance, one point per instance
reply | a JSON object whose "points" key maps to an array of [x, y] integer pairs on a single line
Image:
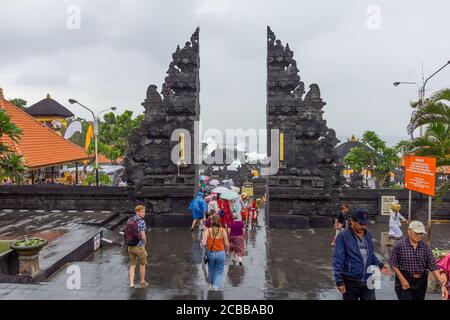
{"points": [[97, 240], [386, 202]]}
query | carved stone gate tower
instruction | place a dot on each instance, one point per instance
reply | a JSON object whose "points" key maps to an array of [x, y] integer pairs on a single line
{"points": [[304, 192], [165, 186]]}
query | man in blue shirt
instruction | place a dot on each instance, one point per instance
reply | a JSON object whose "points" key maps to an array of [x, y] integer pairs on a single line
{"points": [[352, 258]]}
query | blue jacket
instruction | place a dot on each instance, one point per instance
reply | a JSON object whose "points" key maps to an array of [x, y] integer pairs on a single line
{"points": [[347, 259]]}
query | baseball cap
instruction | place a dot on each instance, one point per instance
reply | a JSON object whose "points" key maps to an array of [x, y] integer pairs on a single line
{"points": [[417, 227], [361, 215]]}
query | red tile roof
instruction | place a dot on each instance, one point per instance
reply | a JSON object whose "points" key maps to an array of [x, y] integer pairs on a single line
{"points": [[103, 160], [39, 145]]}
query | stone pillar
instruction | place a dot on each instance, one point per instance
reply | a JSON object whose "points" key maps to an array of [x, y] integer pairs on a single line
{"points": [[29, 265]]}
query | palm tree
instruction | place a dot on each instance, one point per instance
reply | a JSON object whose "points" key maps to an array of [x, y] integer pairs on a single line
{"points": [[9, 129], [435, 109], [435, 114], [11, 166]]}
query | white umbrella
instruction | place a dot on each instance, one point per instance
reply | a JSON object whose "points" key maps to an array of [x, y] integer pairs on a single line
{"points": [[214, 182], [230, 195], [237, 189], [220, 190]]}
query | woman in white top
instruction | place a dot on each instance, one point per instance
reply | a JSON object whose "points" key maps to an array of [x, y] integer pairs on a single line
{"points": [[395, 221]]}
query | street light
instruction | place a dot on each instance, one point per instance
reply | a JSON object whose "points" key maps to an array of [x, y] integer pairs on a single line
{"points": [[73, 101], [396, 84], [421, 90], [422, 103]]}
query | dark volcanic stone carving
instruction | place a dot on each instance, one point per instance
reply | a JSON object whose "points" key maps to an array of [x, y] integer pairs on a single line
{"points": [[309, 175], [148, 163]]}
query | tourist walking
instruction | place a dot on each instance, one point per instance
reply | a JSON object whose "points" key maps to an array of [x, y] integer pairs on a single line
{"points": [[236, 208], [341, 220], [225, 213], [395, 221], [245, 209], [254, 213], [411, 258], [444, 265], [236, 230], [136, 241], [352, 256], [215, 240], [213, 205], [208, 221], [198, 209]]}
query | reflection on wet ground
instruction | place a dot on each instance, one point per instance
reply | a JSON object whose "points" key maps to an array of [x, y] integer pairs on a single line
{"points": [[280, 264]]}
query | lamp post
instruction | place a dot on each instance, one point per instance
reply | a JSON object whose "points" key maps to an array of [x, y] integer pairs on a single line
{"points": [[396, 84], [73, 101], [422, 103], [96, 126]]}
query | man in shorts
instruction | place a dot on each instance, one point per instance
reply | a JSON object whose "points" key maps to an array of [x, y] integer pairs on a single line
{"points": [[138, 252]]}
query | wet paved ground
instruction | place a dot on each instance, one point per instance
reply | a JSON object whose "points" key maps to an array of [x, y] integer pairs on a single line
{"points": [[16, 224], [281, 264]]}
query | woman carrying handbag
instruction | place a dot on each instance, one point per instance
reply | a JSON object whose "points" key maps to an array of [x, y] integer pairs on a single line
{"points": [[215, 240]]}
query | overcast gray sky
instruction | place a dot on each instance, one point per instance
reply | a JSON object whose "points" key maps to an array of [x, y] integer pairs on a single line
{"points": [[353, 50]]}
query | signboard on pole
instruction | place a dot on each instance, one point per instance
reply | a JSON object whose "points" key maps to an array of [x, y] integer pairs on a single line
{"points": [[420, 174]]}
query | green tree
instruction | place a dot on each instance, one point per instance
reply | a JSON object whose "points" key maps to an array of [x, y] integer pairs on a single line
{"points": [[114, 133], [18, 102], [435, 115], [103, 179], [435, 109], [11, 164], [373, 155]]}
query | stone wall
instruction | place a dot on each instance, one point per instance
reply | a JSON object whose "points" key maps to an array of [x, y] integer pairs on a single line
{"points": [[61, 197], [368, 199], [123, 199]]}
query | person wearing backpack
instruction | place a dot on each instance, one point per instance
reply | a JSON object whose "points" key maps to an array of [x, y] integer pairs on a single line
{"points": [[136, 241]]}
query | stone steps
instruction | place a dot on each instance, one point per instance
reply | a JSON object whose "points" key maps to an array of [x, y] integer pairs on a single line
{"points": [[115, 222]]}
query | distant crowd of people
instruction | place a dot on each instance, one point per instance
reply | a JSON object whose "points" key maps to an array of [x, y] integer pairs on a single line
{"points": [[223, 223]]}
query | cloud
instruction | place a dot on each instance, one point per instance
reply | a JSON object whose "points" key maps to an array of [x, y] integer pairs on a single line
{"points": [[123, 46]]}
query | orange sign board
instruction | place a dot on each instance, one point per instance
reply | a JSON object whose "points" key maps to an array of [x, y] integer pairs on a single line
{"points": [[420, 174]]}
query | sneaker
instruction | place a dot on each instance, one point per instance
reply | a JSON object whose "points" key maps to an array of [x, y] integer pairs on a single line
{"points": [[144, 284]]}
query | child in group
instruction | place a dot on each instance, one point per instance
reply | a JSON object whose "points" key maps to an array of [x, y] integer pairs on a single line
{"points": [[244, 215], [254, 212]]}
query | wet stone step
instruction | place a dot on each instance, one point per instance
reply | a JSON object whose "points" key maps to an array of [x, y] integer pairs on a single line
{"points": [[117, 221]]}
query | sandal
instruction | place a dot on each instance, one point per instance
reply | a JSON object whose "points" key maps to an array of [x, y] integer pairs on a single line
{"points": [[144, 284]]}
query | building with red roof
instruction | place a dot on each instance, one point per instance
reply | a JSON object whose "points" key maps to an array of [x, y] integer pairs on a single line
{"points": [[40, 146]]}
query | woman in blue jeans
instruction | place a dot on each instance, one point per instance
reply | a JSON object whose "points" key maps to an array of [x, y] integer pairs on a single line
{"points": [[216, 241]]}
